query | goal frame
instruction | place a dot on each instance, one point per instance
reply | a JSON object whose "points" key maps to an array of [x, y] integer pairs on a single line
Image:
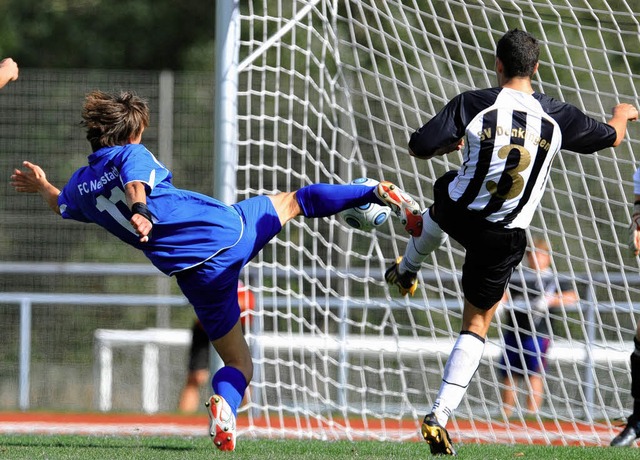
{"points": [[598, 351]]}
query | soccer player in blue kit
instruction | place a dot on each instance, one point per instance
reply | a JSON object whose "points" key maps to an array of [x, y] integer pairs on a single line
{"points": [[203, 242], [512, 135]]}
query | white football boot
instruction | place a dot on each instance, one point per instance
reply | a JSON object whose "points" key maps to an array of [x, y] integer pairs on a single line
{"points": [[222, 425], [405, 207]]}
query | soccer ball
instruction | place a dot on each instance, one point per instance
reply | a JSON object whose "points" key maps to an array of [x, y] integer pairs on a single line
{"points": [[368, 216]]}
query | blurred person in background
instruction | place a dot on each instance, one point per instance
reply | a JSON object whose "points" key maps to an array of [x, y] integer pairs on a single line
{"points": [[8, 71], [197, 370], [529, 326]]}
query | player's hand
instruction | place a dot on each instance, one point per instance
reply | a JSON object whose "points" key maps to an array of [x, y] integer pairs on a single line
{"points": [[626, 111], [30, 180], [634, 230], [456, 146], [10, 66], [141, 220], [453, 147], [142, 227]]}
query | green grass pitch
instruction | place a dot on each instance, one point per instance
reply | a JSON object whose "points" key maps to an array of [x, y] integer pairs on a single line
{"points": [[54, 447]]}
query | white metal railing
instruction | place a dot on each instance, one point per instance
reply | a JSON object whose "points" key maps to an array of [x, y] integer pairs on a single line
{"points": [[587, 353], [150, 339], [27, 299], [563, 351], [105, 339]]}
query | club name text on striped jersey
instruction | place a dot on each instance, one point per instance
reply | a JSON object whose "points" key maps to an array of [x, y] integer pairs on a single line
{"points": [[519, 133]]}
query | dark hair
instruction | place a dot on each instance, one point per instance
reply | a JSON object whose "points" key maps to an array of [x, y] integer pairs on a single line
{"points": [[519, 52], [113, 119]]}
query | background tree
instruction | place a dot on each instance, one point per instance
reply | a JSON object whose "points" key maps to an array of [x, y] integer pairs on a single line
{"points": [[108, 34]]}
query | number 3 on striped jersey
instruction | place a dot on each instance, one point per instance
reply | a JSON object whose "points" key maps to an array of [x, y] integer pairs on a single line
{"points": [[512, 170]]}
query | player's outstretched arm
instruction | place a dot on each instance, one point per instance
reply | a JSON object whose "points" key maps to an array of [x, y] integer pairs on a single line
{"points": [[32, 179], [141, 220], [622, 114]]}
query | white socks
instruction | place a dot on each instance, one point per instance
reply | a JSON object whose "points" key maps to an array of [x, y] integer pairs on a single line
{"points": [[467, 351], [460, 368], [431, 238]]}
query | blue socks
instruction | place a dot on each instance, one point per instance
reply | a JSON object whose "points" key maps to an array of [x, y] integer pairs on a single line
{"points": [[323, 200], [230, 383]]}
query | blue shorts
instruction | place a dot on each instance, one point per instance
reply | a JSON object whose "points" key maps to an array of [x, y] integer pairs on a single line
{"points": [[212, 286], [531, 358]]}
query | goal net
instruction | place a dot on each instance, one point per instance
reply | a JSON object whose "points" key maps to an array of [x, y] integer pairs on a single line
{"points": [[329, 91]]}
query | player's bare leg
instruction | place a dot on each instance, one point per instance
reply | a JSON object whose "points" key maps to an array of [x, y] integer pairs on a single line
{"points": [[509, 396], [537, 392], [286, 206], [190, 396]]}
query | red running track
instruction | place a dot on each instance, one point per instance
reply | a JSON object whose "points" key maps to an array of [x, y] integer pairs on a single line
{"points": [[276, 426]]}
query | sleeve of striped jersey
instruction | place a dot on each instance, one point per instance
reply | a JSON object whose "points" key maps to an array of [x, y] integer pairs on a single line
{"points": [[581, 133], [443, 129]]}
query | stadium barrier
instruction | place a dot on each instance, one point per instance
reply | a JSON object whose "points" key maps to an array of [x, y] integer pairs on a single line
{"points": [[562, 351], [589, 354], [150, 339], [27, 299]]}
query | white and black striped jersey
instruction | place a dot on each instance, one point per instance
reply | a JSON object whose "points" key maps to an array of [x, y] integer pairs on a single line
{"points": [[511, 140]]}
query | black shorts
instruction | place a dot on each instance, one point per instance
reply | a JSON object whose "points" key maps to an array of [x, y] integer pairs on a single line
{"points": [[492, 251], [199, 351]]}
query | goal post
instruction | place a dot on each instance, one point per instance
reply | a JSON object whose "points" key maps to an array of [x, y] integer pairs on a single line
{"points": [[225, 102], [328, 91]]}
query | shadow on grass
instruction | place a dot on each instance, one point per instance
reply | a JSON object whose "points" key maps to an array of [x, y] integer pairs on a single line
{"points": [[79, 442]]}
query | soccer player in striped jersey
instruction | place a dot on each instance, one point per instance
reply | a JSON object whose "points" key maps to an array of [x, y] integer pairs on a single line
{"points": [[201, 241], [631, 431], [512, 134]]}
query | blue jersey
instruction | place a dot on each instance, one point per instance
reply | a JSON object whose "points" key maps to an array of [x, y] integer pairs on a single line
{"points": [[188, 227]]}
